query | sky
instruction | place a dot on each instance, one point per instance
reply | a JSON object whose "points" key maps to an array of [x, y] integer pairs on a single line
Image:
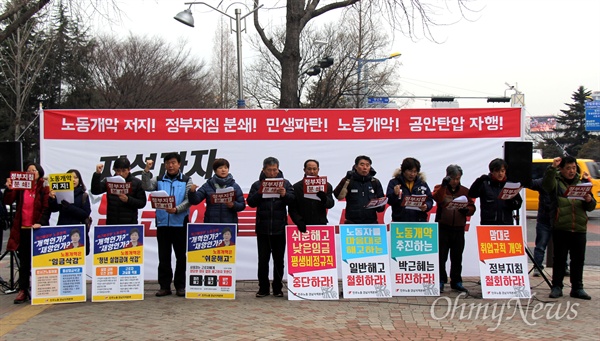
{"points": [[545, 48]]}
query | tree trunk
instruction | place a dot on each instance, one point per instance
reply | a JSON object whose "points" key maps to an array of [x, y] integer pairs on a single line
{"points": [[290, 61]]}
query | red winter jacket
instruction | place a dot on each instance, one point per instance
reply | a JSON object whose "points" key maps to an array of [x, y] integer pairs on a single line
{"points": [[41, 211]]}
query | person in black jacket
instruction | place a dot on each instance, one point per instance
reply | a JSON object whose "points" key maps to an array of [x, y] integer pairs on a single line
{"points": [[493, 210], [306, 211], [271, 219], [409, 181], [359, 187], [122, 208], [73, 213]]}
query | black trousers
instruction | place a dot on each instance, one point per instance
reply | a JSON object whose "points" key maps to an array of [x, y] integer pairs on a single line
{"points": [[24, 253], [452, 239], [572, 243], [267, 245], [175, 238]]}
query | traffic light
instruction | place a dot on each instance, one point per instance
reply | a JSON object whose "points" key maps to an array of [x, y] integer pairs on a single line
{"points": [[325, 62], [313, 71]]}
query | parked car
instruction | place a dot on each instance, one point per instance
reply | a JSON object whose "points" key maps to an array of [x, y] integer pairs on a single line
{"points": [[539, 167]]}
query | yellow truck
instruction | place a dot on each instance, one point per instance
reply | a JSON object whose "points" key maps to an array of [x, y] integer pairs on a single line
{"points": [[539, 166]]}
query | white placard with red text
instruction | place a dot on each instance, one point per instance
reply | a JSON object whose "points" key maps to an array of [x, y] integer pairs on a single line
{"points": [[311, 263], [502, 262], [81, 139]]}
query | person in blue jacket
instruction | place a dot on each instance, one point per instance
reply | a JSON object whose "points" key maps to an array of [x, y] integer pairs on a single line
{"points": [[409, 181], [171, 223], [219, 212]]}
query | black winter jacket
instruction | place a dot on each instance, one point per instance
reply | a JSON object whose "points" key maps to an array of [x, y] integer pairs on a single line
{"points": [[74, 213], [401, 213], [119, 212], [358, 190], [308, 211], [271, 213], [494, 211]]}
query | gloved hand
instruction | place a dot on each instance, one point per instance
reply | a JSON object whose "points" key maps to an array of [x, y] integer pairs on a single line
{"points": [[349, 175], [464, 210], [65, 203], [446, 181], [322, 195], [301, 227]]}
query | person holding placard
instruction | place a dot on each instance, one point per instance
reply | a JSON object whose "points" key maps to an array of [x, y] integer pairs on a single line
{"points": [[171, 223], [314, 196], [493, 209], [569, 224], [359, 188], [271, 195], [453, 208], [224, 197], [76, 212], [124, 200], [32, 211], [408, 194]]}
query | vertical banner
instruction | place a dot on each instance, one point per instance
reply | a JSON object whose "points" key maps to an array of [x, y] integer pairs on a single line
{"points": [[211, 261], [58, 265], [365, 261], [414, 259], [118, 263], [502, 262], [311, 263]]}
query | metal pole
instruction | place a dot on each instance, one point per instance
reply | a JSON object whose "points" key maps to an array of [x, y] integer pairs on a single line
{"points": [[241, 103], [359, 84]]}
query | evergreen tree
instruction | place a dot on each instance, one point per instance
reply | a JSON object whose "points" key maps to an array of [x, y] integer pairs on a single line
{"points": [[571, 123], [64, 80]]}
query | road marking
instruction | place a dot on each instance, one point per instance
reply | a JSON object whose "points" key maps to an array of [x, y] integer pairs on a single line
{"points": [[22, 315]]}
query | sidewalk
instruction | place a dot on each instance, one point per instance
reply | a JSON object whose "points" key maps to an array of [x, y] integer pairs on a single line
{"points": [[248, 318]]}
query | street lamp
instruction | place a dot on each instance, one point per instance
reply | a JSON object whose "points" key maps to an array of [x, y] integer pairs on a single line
{"points": [[361, 63], [186, 17]]}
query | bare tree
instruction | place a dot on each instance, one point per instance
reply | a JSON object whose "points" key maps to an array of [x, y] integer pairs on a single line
{"points": [[336, 86], [411, 17], [224, 64], [148, 73], [22, 56]]}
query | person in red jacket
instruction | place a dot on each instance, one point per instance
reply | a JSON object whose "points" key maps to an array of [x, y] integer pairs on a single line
{"points": [[33, 211], [452, 219]]}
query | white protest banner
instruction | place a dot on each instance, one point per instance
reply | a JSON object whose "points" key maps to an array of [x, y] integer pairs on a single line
{"points": [[334, 137]]}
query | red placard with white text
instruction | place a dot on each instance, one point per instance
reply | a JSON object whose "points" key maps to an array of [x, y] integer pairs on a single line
{"points": [[21, 180]]}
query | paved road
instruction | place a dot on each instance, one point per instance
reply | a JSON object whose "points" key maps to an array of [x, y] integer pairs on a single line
{"points": [[592, 251]]}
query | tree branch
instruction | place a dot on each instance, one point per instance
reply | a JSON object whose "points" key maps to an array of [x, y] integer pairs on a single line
{"points": [[22, 19]]}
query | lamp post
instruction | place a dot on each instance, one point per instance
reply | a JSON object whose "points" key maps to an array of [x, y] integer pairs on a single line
{"points": [[361, 63], [186, 18]]}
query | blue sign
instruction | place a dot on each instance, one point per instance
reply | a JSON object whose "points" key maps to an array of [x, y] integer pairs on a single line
{"points": [[383, 100], [592, 116]]}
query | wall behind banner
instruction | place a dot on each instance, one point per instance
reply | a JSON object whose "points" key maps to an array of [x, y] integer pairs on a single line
{"points": [[81, 139]]}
